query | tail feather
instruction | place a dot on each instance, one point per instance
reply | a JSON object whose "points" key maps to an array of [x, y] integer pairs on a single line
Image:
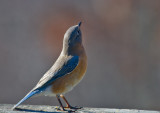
{"points": [[30, 94]]}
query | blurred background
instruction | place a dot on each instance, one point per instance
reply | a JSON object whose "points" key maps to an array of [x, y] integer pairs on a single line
{"points": [[122, 41]]}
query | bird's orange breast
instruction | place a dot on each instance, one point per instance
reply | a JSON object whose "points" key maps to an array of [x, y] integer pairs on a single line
{"points": [[67, 82]]}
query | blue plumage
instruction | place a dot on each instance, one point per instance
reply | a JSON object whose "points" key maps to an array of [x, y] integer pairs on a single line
{"points": [[67, 67], [30, 94]]}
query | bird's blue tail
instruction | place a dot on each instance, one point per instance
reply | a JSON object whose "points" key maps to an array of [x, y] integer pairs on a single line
{"points": [[30, 94]]}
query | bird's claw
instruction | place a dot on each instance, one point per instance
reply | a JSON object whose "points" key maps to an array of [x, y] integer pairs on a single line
{"points": [[62, 109], [71, 107]]}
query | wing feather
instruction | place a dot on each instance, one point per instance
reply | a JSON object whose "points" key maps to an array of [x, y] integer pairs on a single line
{"points": [[61, 68]]}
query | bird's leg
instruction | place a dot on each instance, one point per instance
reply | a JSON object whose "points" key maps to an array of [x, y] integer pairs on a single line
{"points": [[68, 105], [61, 105]]}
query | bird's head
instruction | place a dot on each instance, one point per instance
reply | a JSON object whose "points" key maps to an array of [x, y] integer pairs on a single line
{"points": [[72, 39]]}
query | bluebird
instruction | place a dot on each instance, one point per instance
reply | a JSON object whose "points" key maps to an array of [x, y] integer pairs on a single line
{"points": [[66, 72]]}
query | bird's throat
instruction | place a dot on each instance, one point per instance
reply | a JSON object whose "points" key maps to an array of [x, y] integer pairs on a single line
{"points": [[74, 50]]}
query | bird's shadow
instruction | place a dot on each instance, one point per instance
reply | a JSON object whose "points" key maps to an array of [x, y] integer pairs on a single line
{"points": [[41, 111], [31, 110]]}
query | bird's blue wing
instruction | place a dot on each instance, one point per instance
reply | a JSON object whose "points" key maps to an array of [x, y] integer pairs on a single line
{"points": [[65, 68], [68, 66]]}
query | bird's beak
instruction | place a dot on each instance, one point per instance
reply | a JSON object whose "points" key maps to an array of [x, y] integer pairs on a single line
{"points": [[79, 24]]}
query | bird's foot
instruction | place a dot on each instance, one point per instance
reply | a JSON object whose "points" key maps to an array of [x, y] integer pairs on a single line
{"points": [[62, 109], [71, 107]]}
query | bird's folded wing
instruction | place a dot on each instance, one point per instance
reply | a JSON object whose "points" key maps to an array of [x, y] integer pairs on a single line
{"points": [[62, 67]]}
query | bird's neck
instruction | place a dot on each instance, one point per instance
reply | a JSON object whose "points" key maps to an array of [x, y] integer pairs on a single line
{"points": [[76, 50]]}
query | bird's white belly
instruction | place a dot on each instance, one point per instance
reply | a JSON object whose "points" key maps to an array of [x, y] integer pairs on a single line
{"points": [[48, 92]]}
